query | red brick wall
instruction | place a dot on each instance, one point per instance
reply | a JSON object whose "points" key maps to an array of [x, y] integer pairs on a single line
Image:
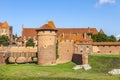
{"points": [[65, 51], [106, 49]]}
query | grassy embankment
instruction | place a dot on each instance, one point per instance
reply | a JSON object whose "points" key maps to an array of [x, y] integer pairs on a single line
{"points": [[101, 64]]}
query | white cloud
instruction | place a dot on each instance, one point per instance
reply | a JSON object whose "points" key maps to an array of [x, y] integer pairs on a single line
{"points": [[101, 2]]}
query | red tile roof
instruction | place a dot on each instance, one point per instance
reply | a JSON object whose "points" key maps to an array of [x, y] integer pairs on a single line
{"points": [[101, 31], [29, 32], [1, 24], [69, 32], [46, 27], [73, 37], [4, 24], [77, 30]]}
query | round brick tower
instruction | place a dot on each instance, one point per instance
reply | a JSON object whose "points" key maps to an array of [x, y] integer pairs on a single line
{"points": [[47, 44]]}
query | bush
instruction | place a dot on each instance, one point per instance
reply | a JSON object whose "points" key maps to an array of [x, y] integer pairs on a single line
{"points": [[30, 42]]}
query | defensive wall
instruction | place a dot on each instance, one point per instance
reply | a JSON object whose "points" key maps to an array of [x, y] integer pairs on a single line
{"points": [[65, 51], [17, 54], [106, 48]]}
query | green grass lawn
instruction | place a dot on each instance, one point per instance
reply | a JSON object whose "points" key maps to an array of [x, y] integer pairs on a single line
{"points": [[101, 64]]}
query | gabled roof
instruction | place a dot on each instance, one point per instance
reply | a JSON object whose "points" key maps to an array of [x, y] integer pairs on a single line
{"points": [[78, 37], [101, 31], [29, 32], [77, 30], [5, 24]]}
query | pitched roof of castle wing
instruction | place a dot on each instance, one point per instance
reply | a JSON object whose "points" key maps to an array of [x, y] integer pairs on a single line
{"points": [[29, 32], [76, 30], [78, 37]]}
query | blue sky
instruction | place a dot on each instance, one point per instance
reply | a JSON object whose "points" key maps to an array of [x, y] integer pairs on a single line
{"points": [[101, 14]]}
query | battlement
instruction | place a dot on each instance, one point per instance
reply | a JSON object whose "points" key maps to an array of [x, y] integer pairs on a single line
{"points": [[47, 33]]}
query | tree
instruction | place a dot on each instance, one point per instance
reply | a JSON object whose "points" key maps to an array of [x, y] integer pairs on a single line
{"points": [[103, 38], [4, 40], [99, 37], [112, 38], [118, 40], [30, 42]]}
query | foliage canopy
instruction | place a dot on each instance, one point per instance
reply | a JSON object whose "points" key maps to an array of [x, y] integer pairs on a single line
{"points": [[30, 42], [4, 40], [103, 38]]}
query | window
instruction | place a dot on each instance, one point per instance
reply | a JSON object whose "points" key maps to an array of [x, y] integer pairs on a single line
{"points": [[50, 31], [80, 42], [87, 46], [67, 50], [75, 34], [110, 51], [98, 51], [44, 46], [81, 51]]}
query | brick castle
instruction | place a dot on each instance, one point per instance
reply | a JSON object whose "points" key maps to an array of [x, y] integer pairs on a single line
{"points": [[69, 44]]}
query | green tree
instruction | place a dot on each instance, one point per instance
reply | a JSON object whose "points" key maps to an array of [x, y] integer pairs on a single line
{"points": [[99, 37], [103, 38], [118, 40], [30, 42], [112, 38], [4, 40]]}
